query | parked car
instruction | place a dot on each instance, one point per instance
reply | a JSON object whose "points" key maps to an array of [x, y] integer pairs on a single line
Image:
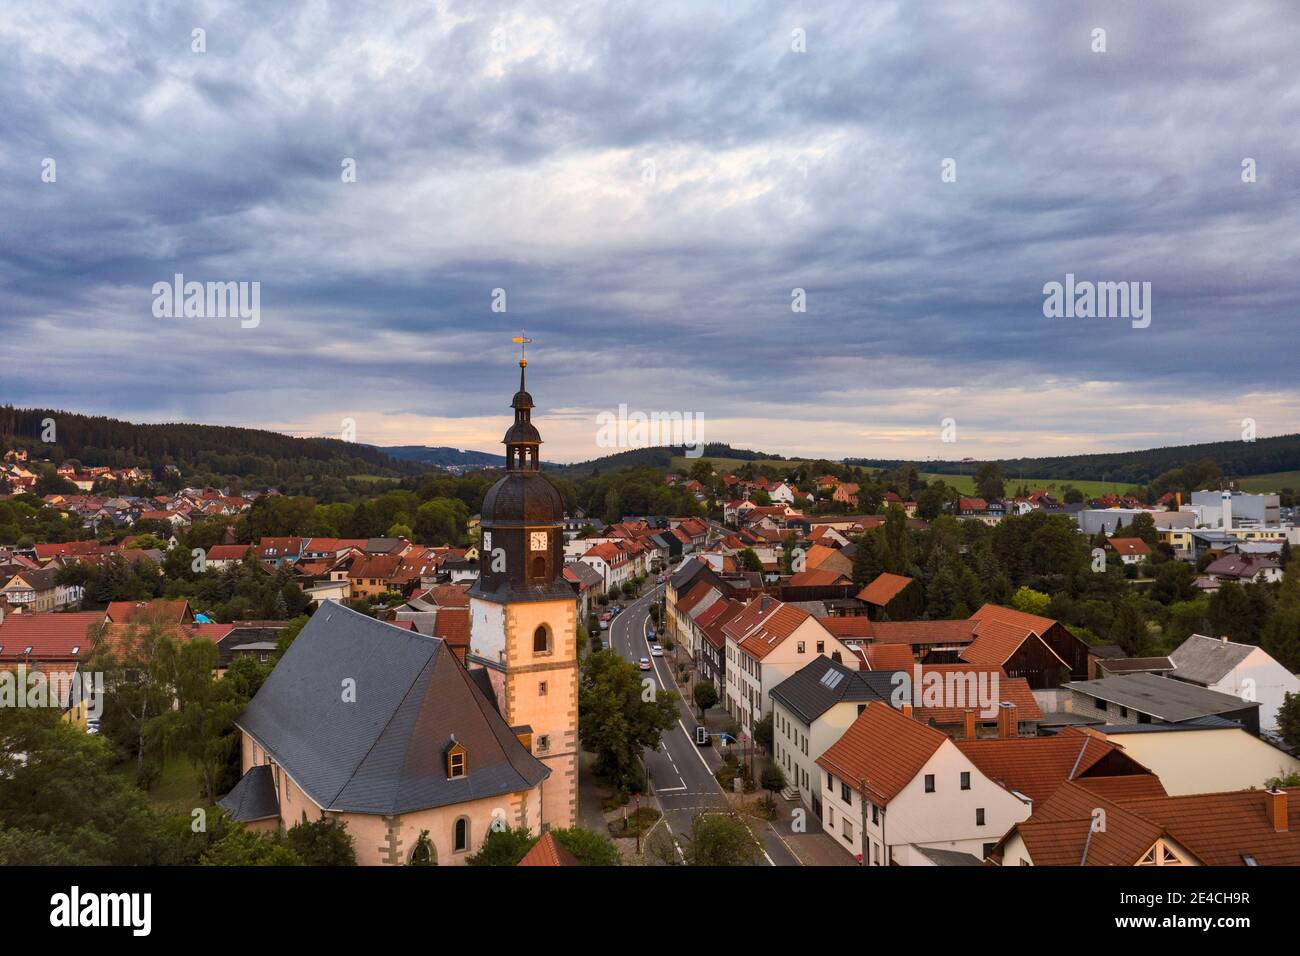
{"points": [[645, 664], [92, 725], [656, 650], [604, 624], [652, 634]]}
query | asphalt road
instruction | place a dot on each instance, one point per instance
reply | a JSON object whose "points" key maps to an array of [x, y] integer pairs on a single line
{"points": [[680, 773]]}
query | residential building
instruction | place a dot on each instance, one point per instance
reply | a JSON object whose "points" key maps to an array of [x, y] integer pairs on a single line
{"points": [[1240, 670], [1148, 698], [892, 786]]}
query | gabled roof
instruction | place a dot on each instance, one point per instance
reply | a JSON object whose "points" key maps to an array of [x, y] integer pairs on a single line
{"points": [[821, 684], [697, 594], [50, 635], [1207, 660], [817, 578], [922, 632], [1216, 829], [1130, 546], [1004, 689], [548, 851], [882, 750], [124, 612], [883, 589], [996, 642], [727, 610], [383, 752], [857, 627], [1037, 766]]}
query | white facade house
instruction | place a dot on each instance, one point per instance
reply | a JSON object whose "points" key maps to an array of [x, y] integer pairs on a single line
{"points": [[892, 785], [1242, 670], [811, 710], [766, 643]]}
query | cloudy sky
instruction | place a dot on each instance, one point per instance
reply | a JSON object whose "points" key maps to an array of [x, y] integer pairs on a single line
{"points": [[648, 182]]}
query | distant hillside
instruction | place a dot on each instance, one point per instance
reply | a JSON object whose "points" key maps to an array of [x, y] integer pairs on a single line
{"points": [[1236, 458], [442, 456], [197, 450], [660, 456]]}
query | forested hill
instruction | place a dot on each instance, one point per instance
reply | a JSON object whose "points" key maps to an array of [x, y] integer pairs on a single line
{"points": [[201, 450], [1236, 459], [658, 456], [442, 456]]}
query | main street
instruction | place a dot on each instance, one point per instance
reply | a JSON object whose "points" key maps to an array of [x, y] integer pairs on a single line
{"points": [[680, 772]]}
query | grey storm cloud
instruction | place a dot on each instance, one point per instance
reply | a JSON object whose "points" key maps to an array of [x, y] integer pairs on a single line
{"points": [[648, 183]]}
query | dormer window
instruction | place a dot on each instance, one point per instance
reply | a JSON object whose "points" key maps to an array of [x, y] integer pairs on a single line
{"points": [[457, 760]]}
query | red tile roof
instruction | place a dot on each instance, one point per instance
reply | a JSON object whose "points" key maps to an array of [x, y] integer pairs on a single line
{"points": [[886, 657], [1037, 766], [858, 627], [923, 632], [882, 750], [883, 589], [548, 852], [51, 636], [124, 612], [1134, 546], [1014, 690], [452, 625], [1217, 829], [817, 578]]}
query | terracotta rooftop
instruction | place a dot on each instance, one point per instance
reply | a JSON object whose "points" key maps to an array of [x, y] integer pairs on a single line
{"points": [[883, 589], [1037, 766], [882, 750], [548, 851]]}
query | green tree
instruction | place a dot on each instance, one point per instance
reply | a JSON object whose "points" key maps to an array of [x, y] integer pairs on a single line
{"points": [[618, 716], [720, 839], [763, 732], [60, 796], [322, 843], [1130, 630], [989, 484], [590, 848], [1288, 719], [244, 847], [706, 696], [749, 560], [505, 846], [1030, 601]]}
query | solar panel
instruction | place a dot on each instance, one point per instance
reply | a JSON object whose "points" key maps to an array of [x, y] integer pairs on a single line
{"points": [[832, 678]]}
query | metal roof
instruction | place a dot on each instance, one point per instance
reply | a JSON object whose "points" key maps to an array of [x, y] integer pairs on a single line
{"points": [[380, 749]]}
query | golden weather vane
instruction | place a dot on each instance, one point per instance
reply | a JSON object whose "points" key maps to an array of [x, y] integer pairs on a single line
{"points": [[523, 342]]}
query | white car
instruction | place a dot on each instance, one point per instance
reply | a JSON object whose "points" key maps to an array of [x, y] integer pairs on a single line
{"points": [[645, 664], [656, 650]]}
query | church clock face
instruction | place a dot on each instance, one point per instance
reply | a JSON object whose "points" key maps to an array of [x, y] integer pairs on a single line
{"points": [[537, 541]]}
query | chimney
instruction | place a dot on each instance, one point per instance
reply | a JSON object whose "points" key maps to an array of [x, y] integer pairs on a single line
{"points": [[1226, 500], [1007, 723], [970, 725], [1276, 805], [907, 710], [1223, 639]]}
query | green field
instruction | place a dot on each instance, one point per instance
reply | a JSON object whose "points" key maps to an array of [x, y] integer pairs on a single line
{"points": [[966, 483], [1273, 482]]}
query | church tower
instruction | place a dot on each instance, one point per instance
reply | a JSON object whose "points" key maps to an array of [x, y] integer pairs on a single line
{"points": [[523, 614]]}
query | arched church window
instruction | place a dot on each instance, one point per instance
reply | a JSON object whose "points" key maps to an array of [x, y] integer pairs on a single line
{"points": [[541, 640], [539, 568], [460, 835]]}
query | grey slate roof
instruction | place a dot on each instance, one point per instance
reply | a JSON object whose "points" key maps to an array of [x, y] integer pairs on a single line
{"points": [[949, 857], [1162, 697], [1136, 665], [253, 798], [1199, 723], [383, 753], [1205, 660], [685, 574], [821, 684]]}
